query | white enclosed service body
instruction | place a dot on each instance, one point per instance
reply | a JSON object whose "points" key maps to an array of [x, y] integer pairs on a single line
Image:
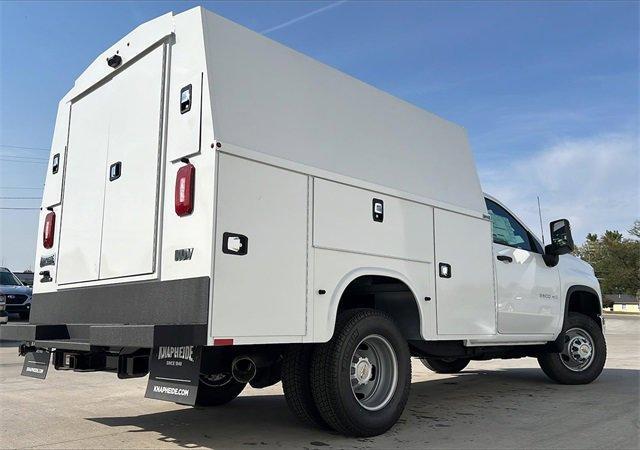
{"points": [[304, 180]]}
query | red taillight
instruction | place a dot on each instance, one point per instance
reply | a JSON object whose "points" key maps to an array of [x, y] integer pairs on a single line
{"points": [[185, 182], [48, 230]]}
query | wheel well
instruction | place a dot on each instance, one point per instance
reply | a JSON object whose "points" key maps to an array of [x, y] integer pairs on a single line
{"points": [[385, 294], [584, 302]]}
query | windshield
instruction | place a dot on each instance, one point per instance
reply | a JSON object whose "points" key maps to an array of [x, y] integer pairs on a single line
{"points": [[25, 278], [8, 279]]}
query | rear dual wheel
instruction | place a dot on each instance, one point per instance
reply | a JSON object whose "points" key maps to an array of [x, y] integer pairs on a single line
{"points": [[217, 389], [296, 384], [360, 379]]}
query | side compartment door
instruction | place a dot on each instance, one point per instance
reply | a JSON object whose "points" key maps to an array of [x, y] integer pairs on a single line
{"points": [[260, 272], [464, 275]]}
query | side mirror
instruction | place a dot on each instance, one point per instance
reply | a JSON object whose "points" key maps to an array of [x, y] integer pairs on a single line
{"points": [[561, 239]]}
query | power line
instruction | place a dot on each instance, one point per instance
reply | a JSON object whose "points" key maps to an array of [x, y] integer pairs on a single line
{"points": [[24, 209], [19, 161], [13, 187], [20, 198], [24, 148], [26, 158]]}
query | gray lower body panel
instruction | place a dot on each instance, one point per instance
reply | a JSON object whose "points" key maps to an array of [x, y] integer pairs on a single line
{"points": [[144, 303], [86, 337], [146, 314]]}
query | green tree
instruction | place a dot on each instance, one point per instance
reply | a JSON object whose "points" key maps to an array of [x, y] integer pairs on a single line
{"points": [[635, 230], [615, 260]]}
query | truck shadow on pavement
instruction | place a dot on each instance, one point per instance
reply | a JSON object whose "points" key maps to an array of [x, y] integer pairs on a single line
{"points": [[505, 408]]}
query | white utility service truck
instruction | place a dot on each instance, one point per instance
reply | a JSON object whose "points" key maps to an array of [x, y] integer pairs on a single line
{"points": [[221, 210]]}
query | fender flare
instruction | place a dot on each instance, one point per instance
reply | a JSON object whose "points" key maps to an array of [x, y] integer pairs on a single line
{"points": [[346, 280], [579, 288], [572, 289]]}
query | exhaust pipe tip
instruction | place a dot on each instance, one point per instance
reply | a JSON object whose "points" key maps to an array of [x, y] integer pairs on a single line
{"points": [[243, 369]]}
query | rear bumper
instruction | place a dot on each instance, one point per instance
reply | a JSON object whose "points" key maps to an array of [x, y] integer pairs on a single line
{"points": [[91, 337], [143, 315]]}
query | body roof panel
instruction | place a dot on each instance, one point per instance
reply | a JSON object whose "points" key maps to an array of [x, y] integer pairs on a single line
{"points": [[271, 99]]}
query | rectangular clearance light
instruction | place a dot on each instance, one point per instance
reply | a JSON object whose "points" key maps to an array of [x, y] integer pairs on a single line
{"points": [[49, 229], [185, 184]]}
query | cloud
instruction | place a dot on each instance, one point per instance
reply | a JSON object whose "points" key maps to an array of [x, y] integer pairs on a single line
{"points": [[302, 17], [594, 182]]}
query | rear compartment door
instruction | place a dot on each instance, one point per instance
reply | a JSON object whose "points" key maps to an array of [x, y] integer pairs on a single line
{"points": [[109, 210], [81, 226], [130, 201]]}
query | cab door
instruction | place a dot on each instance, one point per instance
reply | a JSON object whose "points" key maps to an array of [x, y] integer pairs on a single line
{"points": [[528, 291]]}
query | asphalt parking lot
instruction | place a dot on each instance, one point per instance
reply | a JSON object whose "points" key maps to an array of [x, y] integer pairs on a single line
{"points": [[493, 404]]}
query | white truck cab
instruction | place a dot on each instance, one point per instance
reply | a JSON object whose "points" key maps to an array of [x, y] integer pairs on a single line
{"points": [[529, 282], [221, 210]]}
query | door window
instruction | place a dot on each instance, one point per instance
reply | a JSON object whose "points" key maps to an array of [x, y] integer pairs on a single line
{"points": [[506, 229]]}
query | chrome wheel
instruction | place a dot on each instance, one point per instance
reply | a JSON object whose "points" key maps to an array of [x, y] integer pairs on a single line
{"points": [[374, 372], [578, 351]]}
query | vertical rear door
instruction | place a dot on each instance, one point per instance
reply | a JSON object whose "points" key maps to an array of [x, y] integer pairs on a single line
{"points": [[81, 225], [110, 202], [130, 201]]}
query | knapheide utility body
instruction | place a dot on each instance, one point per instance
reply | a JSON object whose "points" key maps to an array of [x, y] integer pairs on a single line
{"points": [[221, 210]]}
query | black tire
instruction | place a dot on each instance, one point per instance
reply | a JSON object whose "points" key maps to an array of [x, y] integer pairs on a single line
{"points": [[331, 372], [296, 384], [552, 363], [453, 365], [212, 395]]}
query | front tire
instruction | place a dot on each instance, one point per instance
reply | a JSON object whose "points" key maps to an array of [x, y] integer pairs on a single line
{"points": [[584, 352], [361, 378], [217, 390], [448, 365]]}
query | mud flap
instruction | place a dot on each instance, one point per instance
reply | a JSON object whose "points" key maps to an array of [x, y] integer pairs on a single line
{"points": [[174, 374], [36, 364]]}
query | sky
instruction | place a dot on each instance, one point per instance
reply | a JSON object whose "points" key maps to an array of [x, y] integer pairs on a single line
{"points": [[547, 91]]}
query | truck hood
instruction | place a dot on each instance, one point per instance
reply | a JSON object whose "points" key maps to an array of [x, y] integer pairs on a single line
{"points": [[574, 263]]}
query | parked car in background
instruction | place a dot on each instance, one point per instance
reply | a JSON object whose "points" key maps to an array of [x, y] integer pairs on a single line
{"points": [[17, 295], [4, 317], [25, 278]]}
